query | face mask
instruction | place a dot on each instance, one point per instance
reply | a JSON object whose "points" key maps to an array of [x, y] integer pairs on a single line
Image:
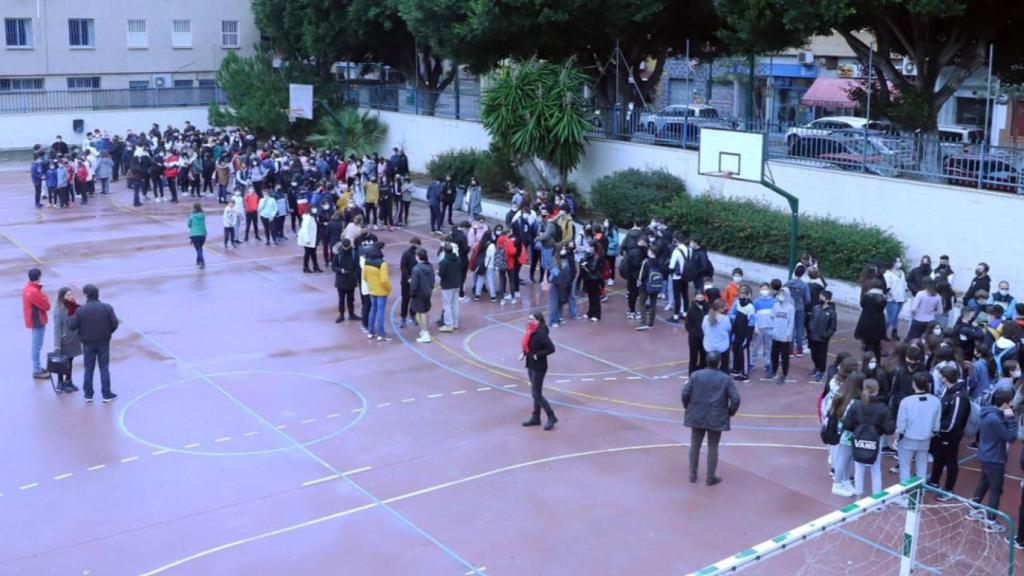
{"points": [[737, 279], [563, 252], [531, 323], [708, 287], [937, 331], [765, 292], [744, 301], [781, 298], [1016, 374], [982, 302], [872, 365], [1004, 292]]}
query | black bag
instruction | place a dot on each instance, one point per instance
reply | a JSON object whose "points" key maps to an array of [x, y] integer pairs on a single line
{"points": [[865, 441], [57, 363], [830, 430]]}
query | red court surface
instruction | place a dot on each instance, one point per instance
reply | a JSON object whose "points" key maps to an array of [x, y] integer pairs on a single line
{"points": [[253, 435]]}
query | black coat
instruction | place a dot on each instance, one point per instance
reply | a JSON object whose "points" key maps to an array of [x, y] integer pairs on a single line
{"points": [[871, 324], [345, 265], [334, 231], [421, 286], [983, 282], [538, 350], [711, 399], [407, 263], [95, 322], [875, 413]]}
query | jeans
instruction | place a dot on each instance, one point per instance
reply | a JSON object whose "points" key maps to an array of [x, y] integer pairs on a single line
{"points": [[377, 306], [696, 440], [38, 332], [698, 359], [892, 315], [229, 235], [554, 307], [93, 351], [819, 355], [761, 348], [104, 185], [876, 475], [798, 328], [780, 355], [436, 223], [920, 458], [252, 220], [197, 243], [680, 299], [991, 482], [268, 230], [136, 187], [572, 300], [450, 306], [545, 259], [842, 463], [537, 391]]}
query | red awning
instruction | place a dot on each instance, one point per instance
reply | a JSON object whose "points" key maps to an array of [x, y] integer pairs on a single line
{"points": [[830, 93]]}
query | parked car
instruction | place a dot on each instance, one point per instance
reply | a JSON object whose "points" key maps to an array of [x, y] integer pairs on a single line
{"points": [[830, 124], [848, 153], [898, 152], [957, 139], [655, 122], [1002, 173]]}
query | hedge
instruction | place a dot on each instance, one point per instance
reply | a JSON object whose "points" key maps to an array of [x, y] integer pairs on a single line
{"points": [[629, 195], [756, 231], [491, 169]]}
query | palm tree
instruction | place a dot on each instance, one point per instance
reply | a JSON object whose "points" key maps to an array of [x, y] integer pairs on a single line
{"points": [[353, 131]]}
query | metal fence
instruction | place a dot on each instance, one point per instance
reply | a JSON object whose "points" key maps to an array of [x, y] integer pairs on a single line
{"points": [[450, 103], [68, 100]]}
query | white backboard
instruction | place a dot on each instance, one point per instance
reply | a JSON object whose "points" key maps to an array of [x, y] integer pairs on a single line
{"points": [[741, 154], [300, 101]]}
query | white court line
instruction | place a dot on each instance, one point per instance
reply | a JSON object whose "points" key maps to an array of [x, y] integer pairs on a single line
{"points": [[479, 570], [458, 392], [355, 410], [484, 389], [129, 459], [63, 476], [510, 385], [222, 439], [282, 426], [409, 400], [192, 445], [96, 467], [308, 421], [383, 404], [611, 377], [319, 480], [28, 486], [159, 452], [357, 471], [435, 395], [588, 379], [632, 378], [563, 381], [333, 415], [253, 433]]}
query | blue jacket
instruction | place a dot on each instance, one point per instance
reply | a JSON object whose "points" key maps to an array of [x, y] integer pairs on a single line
{"points": [[51, 178], [996, 431], [800, 292], [38, 173], [434, 193], [763, 312]]}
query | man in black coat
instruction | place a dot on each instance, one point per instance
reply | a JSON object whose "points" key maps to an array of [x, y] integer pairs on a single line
{"points": [[95, 323], [407, 263], [711, 399]]}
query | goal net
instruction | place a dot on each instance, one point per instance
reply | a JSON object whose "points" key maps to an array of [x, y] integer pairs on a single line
{"points": [[902, 530]]}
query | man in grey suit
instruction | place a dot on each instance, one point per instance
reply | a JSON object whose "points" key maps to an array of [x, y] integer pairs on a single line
{"points": [[710, 399]]}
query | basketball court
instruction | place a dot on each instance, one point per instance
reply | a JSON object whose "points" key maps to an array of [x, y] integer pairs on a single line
{"points": [[254, 435]]}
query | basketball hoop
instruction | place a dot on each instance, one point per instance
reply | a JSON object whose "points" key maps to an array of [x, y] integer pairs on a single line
{"points": [[716, 182], [294, 113]]}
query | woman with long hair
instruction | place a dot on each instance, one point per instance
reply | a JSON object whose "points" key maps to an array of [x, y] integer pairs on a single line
{"points": [[65, 340], [870, 328], [536, 347], [197, 233], [869, 410]]}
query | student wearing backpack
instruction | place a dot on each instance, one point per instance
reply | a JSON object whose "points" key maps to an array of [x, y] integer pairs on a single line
{"points": [[652, 281], [869, 420], [677, 264], [837, 409], [917, 422], [998, 428], [945, 447]]}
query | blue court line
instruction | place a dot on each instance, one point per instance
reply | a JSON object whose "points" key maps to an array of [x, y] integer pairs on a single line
{"points": [[419, 350], [471, 568], [887, 550]]}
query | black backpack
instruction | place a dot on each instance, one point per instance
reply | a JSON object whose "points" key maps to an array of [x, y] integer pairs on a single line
{"points": [[865, 440], [830, 430], [558, 232]]}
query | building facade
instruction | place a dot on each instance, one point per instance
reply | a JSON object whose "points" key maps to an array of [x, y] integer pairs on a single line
{"points": [[54, 45]]}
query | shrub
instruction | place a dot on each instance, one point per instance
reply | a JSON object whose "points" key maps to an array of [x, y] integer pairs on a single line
{"points": [[631, 195], [491, 168], [756, 231], [461, 164]]}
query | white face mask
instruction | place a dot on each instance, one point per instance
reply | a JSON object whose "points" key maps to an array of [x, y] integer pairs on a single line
{"points": [[872, 365], [1004, 292], [1016, 373], [765, 292], [708, 287], [937, 331], [737, 279], [781, 298]]}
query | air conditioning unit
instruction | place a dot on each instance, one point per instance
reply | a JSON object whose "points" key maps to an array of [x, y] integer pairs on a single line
{"points": [[805, 57], [162, 81], [908, 68]]}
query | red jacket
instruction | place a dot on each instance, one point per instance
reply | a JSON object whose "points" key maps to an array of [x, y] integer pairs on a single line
{"points": [[171, 166], [33, 297], [339, 173]]}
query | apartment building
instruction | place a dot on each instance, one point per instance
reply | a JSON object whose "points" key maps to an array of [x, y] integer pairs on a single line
{"points": [[52, 45]]}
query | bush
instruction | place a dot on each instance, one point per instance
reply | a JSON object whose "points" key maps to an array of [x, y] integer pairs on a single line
{"points": [[631, 195], [491, 168], [461, 164], [756, 231]]}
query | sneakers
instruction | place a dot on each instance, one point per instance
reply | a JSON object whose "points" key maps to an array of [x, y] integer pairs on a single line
{"points": [[445, 329], [41, 375], [424, 337], [841, 489], [741, 378], [992, 527], [642, 328], [595, 319], [673, 320], [1013, 541], [780, 380], [88, 398], [384, 338], [976, 514], [944, 497], [604, 299], [339, 319], [109, 398]]}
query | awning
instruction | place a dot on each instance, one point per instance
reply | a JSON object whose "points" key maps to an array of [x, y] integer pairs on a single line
{"points": [[831, 93]]}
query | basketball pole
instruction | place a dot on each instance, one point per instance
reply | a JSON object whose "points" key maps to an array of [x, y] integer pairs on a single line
{"points": [[794, 210]]}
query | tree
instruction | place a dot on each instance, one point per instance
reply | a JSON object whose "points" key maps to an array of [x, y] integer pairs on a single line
{"points": [[363, 31], [535, 110], [362, 131], [257, 95]]}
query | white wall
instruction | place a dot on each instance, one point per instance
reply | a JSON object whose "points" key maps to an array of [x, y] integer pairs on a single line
{"points": [[26, 130], [423, 137]]}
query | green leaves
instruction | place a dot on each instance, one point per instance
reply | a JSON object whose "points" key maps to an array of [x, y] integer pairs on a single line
{"points": [[363, 131], [630, 195], [536, 109]]}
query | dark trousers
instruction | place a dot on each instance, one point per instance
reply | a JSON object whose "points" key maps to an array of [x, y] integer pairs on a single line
{"points": [[680, 294], [197, 243], [448, 207], [648, 306], [279, 227], [593, 298], [698, 359], [944, 453], [464, 262], [268, 229], [346, 297], [740, 353], [436, 223], [819, 355], [62, 378], [991, 482], [309, 255], [39, 193], [611, 266], [387, 215], [537, 391], [158, 186], [403, 212], [364, 305], [406, 299], [874, 346], [252, 220], [915, 330], [696, 440], [116, 172], [780, 355], [371, 213], [136, 188], [1020, 514], [535, 263], [295, 219], [173, 186], [91, 352], [229, 235], [632, 292]]}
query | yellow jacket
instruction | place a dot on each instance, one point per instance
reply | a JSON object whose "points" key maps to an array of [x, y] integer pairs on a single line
{"points": [[372, 191], [376, 278]]}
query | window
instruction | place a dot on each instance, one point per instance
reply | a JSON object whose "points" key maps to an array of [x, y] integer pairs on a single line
{"points": [[21, 84], [138, 84], [182, 83], [208, 83], [181, 34], [83, 82], [80, 33], [18, 32], [137, 34], [229, 33]]}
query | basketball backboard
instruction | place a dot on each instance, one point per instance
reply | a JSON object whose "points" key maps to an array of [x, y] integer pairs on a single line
{"points": [[300, 101], [732, 154]]}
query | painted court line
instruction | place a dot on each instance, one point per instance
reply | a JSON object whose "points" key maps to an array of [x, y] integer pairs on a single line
{"points": [[479, 570], [633, 378], [435, 395], [319, 480], [563, 380], [332, 415], [458, 392], [484, 389], [129, 459], [308, 421], [611, 377], [28, 486], [510, 385], [409, 400], [96, 467], [357, 471], [63, 476], [159, 452], [192, 445], [383, 404], [222, 439], [251, 433], [282, 426], [588, 379], [356, 410]]}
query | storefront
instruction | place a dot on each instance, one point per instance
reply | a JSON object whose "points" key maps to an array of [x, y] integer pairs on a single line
{"points": [[785, 86], [830, 97]]}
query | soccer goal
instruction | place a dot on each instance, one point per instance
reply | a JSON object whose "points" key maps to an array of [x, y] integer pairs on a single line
{"points": [[902, 530]]}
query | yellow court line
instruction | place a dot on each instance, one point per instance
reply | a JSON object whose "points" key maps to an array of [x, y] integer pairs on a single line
{"points": [[19, 246], [606, 399]]}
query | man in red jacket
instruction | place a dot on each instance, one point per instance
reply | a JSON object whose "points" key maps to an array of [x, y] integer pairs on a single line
{"points": [[35, 304]]}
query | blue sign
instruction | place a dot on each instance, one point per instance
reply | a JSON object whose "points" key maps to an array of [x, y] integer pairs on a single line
{"points": [[787, 70]]}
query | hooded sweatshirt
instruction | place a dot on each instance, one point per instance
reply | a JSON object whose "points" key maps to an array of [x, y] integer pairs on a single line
{"points": [[375, 274], [763, 313], [783, 315], [996, 431]]}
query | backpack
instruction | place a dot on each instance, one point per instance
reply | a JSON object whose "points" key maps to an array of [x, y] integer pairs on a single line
{"points": [[973, 425], [830, 430], [558, 232], [865, 440], [655, 282], [501, 257]]}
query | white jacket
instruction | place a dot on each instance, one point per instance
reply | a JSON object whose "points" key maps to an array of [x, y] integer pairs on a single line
{"points": [[307, 232], [896, 282], [680, 254], [230, 217]]}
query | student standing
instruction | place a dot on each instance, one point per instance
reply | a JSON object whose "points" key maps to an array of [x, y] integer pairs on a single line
{"points": [[998, 428], [345, 266], [405, 265], [695, 333], [870, 328], [869, 419], [34, 305], [536, 347], [251, 202], [375, 274], [267, 209], [896, 296], [95, 323], [761, 347], [744, 320], [421, 288], [917, 421], [717, 327], [230, 220], [65, 340], [306, 238], [710, 399], [197, 233], [924, 309], [783, 317], [449, 269], [945, 446], [821, 329]]}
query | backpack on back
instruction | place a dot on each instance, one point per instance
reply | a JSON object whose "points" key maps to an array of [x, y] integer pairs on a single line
{"points": [[830, 430], [558, 232], [865, 440], [501, 257], [973, 425]]}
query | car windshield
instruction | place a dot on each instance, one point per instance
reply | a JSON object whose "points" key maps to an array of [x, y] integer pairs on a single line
{"points": [[709, 113]]}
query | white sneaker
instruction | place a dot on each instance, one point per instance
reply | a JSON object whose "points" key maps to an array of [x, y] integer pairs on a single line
{"points": [[841, 490], [424, 338]]}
